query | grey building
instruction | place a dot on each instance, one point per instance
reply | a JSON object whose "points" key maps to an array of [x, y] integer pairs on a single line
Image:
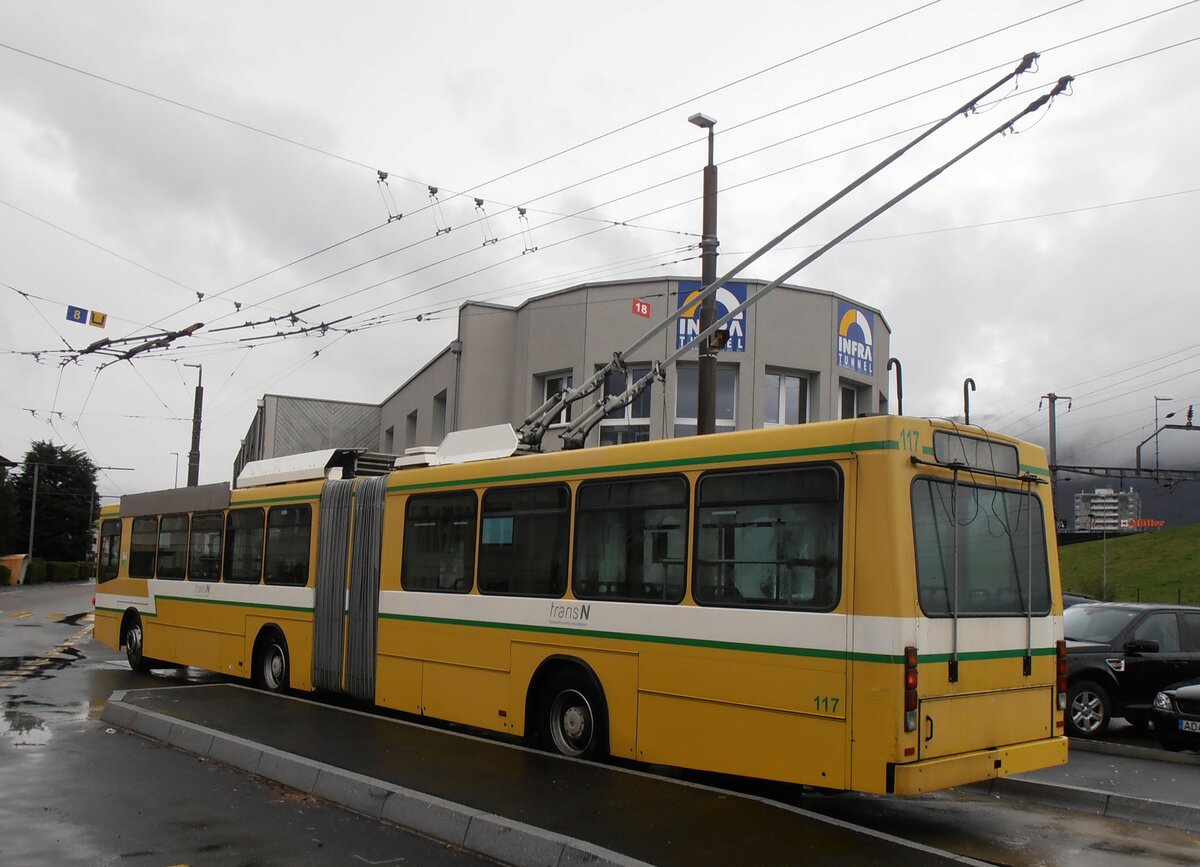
{"points": [[797, 356], [1107, 511]]}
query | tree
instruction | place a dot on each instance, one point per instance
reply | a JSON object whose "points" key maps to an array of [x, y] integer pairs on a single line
{"points": [[66, 498], [8, 512]]}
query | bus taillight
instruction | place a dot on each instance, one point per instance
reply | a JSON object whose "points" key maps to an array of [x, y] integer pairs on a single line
{"points": [[1060, 649], [910, 689]]}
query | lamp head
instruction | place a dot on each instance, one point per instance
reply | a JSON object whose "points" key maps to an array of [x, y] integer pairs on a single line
{"points": [[702, 120]]}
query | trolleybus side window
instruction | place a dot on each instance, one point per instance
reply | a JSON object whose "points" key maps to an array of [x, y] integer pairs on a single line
{"points": [[769, 539], [172, 546], [631, 540], [288, 529], [524, 541], [142, 546], [987, 533], [244, 546], [110, 549], [204, 549], [439, 542]]}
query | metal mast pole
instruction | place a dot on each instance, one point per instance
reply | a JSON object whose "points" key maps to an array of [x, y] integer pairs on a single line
{"points": [[706, 378], [197, 414]]}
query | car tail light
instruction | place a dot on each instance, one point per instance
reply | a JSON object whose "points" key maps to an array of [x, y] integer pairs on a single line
{"points": [[910, 689], [1060, 650]]}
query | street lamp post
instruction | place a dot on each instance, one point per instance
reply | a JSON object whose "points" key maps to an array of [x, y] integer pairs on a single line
{"points": [[176, 468], [1157, 398], [706, 375]]}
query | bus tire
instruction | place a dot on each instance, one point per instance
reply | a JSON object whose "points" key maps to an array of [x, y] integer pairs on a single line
{"points": [[572, 720], [133, 639], [1088, 709], [272, 666]]}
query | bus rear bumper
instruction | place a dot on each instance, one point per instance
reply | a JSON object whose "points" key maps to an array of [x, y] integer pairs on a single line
{"points": [[931, 775]]}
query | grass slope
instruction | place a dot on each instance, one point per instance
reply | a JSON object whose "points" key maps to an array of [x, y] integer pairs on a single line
{"points": [[1160, 566]]}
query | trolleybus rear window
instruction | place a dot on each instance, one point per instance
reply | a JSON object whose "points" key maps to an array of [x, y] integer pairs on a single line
{"points": [[172, 546], [993, 540], [439, 543], [143, 544], [110, 549], [524, 539], [631, 540], [204, 550], [770, 539], [244, 546]]}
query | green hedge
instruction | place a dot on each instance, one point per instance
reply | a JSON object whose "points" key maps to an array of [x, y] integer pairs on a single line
{"points": [[48, 571]]}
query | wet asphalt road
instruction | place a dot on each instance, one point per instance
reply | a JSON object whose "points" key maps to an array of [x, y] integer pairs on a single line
{"points": [[88, 794], [75, 791]]}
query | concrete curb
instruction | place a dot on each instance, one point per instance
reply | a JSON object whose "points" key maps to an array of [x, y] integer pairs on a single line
{"points": [[504, 840], [1098, 803], [1133, 751]]}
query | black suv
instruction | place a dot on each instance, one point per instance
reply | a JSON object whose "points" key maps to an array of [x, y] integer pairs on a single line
{"points": [[1119, 655]]}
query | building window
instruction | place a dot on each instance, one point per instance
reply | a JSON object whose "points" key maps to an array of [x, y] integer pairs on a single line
{"points": [[631, 540], [554, 384], [142, 547], [172, 546], [439, 417], [685, 399], [288, 535], [244, 546], [389, 440], [439, 543], [204, 555], [785, 399], [631, 423], [523, 541], [849, 402], [410, 430]]}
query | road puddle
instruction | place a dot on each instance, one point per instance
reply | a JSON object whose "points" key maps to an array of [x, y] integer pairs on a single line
{"points": [[29, 723]]}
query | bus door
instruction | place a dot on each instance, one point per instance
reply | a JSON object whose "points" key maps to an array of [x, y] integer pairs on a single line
{"points": [[345, 622]]}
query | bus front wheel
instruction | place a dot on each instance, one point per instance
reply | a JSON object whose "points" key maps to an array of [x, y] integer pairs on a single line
{"points": [[572, 717], [132, 638], [271, 667]]}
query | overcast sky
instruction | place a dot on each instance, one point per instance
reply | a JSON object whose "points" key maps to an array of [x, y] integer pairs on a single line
{"points": [[152, 152]]}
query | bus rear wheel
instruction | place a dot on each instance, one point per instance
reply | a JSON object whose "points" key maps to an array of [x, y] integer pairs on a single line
{"points": [[271, 666], [572, 721], [132, 637]]}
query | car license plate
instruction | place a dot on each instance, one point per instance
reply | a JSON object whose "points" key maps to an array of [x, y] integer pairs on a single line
{"points": [[1189, 725]]}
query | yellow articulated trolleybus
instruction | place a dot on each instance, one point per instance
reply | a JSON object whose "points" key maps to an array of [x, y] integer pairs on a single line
{"points": [[869, 604]]}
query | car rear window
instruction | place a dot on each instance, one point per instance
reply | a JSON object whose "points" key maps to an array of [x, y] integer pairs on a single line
{"points": [[1095, 622]]}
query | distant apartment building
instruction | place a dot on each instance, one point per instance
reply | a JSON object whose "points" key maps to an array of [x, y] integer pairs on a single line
{"points": [[799, 355], [1107, 511]]}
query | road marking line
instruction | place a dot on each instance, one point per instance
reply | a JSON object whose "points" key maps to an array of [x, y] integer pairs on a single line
{"points": [[21, 615]]}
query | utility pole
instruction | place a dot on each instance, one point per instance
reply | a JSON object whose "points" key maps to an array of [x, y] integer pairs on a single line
{"points": [[706, 376], [1054, 399], [33, 508], [197, 412]]}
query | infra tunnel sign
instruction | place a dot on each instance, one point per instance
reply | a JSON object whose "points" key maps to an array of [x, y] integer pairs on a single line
{"points": [[729, 297], [86, 317]]}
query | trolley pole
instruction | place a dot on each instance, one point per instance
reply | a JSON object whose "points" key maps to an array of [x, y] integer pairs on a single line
{"points": [[706, 378]]}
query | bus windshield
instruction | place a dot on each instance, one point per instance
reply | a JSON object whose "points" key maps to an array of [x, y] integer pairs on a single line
{"points": [[980, 551]]}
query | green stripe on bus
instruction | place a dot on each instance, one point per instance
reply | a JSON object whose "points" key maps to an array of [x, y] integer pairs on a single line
{"points": [[809, 652], [668, 463], [1037, 471]]}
